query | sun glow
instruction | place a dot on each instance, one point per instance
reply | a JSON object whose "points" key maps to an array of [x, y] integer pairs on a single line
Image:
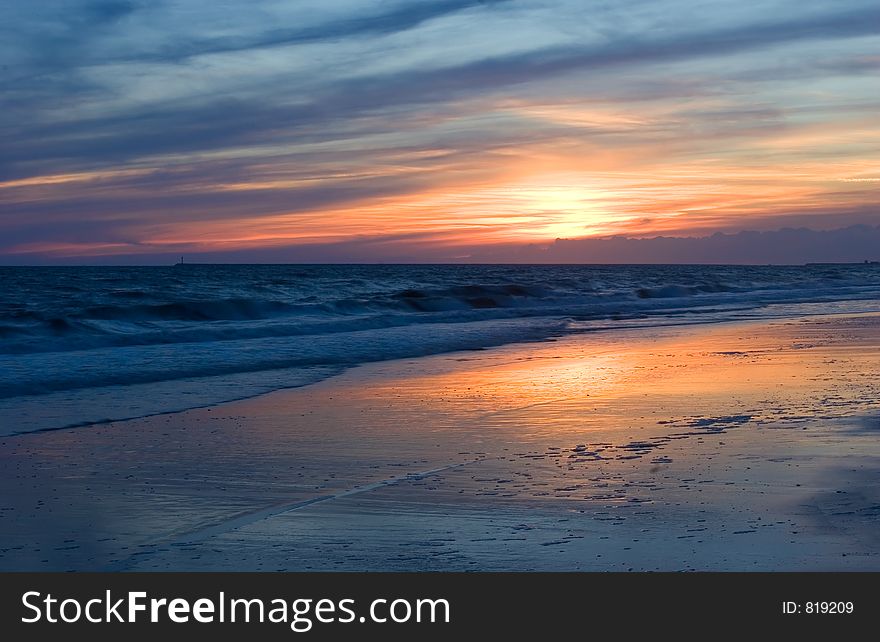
{"points": [[562, 210]]}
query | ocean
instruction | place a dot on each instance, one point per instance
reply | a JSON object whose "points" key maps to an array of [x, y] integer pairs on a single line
{"points": [[81, 345]]}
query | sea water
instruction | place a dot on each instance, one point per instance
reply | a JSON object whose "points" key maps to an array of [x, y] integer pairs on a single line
{"points": [[80, 345]]}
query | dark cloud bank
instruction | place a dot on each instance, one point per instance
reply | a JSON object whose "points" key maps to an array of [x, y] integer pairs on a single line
{"points": [[857, 243], [854, 244], [786, 246]]}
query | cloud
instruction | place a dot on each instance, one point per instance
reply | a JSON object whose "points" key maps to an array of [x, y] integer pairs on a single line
{"points": [[659, 114], [399, 18], [786, 246], [109, 10], [349, 95]]}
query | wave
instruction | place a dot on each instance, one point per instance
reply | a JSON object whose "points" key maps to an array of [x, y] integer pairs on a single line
{"points": [[672, 291], [97, 335], [211, 310], [39, 373], [322, 311]]}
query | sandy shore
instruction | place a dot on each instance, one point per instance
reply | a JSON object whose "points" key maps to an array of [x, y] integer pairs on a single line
{"points": [[746, 446]]}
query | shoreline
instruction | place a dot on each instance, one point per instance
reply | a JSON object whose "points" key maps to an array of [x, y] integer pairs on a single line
{"points": [[39, 408], [674, 448]]}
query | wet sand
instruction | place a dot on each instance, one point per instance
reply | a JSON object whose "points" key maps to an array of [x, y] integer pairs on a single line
{"points": [[738, 446]]}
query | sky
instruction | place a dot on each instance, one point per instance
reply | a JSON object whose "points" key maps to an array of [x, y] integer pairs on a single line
{"points": [[414, 130]]}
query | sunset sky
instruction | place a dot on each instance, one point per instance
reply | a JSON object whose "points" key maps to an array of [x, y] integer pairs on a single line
{"points": [[139, 130]]}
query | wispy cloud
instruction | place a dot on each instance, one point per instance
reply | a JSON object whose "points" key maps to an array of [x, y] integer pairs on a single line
{"points": [[131, 125]]}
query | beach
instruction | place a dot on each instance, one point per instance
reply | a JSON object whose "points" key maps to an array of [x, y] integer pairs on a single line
{"points": [[734, 446]]}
